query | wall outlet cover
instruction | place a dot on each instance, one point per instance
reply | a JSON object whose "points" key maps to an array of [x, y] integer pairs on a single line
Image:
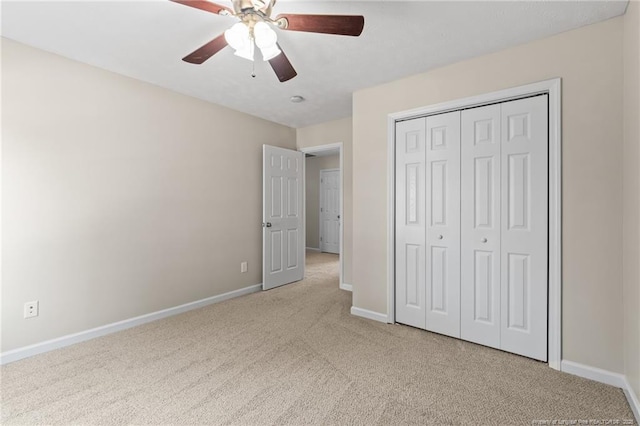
{"points": [[31, 309]]}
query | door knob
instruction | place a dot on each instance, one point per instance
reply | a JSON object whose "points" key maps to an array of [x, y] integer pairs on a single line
{"points": [[484, 240], [440, 237], [266, 225]]}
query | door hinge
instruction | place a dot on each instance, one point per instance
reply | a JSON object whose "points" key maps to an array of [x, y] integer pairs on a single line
{"points": [[320, 238], [321, 209]]}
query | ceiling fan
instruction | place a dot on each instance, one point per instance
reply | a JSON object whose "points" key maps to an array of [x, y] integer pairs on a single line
{"points": [[256, 29]]}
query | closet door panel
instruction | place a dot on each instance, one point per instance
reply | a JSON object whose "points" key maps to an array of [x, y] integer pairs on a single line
{"points": [[410, 223], [524, 227], [443, 223], [480, 225]]}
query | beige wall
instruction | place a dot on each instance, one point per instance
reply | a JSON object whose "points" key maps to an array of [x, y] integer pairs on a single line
{"points": [[631, 188], [328, 133], [589, 60], [313, 165], [120, 198]]}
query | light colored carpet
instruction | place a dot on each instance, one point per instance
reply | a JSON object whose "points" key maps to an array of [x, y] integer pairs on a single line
{"points": [[293, 355]]}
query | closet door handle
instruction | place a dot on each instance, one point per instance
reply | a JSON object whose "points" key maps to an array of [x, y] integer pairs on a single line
{"points": [[440, 237], [484, 240]]}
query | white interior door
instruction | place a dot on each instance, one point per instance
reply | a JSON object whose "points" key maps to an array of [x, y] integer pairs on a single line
{"points": [[480, 226], [410, 223], [524, 227], [443, 223], [282, 217], [330, 210]]}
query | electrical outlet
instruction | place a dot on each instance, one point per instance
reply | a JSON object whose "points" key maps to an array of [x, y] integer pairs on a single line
{"points": [[31, 309], [243, 267]]}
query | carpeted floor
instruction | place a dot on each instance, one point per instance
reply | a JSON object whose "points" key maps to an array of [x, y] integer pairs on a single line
{"points": [[293, 355]]}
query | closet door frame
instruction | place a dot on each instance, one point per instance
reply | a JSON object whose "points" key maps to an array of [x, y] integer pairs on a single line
{"points": [[553, 89]]}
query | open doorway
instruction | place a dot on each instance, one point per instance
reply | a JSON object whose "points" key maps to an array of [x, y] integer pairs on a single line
{"points": [[324, 202]]}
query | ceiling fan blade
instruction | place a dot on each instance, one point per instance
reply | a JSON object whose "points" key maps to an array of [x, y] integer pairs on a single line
{"points": [[350, 25], [282, 67], [206, 6], [206, 51]]}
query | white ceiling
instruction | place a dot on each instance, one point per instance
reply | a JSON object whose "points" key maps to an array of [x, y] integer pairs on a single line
{"points": [[147, 39]]}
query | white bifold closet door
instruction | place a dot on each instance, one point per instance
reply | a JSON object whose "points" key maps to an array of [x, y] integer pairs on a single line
{"points": [[443, 224], [410, 223], [524, 227], [428, 223], [504, 226], [471, 225], [480, 226]]}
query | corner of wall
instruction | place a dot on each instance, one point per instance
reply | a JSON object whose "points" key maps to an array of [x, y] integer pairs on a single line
{"points": [[631, 193]]}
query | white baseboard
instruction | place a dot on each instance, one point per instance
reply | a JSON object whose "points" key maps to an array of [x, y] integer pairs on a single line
{"points": [[345, 286], [70, 339], [633, 400], [365, 313], [593, 373], [604, 376], [313, 249]]}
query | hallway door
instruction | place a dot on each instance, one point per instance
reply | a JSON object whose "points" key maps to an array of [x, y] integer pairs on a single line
{"points": [[330, 211]]}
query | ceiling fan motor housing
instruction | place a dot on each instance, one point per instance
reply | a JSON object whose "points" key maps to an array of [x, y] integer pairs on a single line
{"points": [[244, 6]]}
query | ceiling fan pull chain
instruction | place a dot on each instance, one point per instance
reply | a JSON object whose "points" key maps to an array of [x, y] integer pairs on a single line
{"points": [[253, 68]]}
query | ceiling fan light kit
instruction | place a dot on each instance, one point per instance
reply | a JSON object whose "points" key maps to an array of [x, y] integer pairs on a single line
{"points": [[267, 40], [239, 39], [242, 38], [255, 29]]}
